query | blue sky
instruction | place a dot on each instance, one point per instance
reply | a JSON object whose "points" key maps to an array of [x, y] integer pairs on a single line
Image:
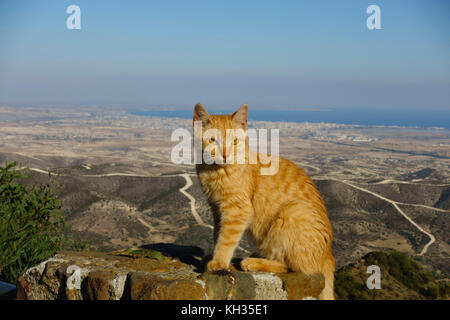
{"points": [[267, 53]]}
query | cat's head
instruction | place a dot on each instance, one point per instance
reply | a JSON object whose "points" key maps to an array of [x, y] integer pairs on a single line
{"points": [[223, 134]]}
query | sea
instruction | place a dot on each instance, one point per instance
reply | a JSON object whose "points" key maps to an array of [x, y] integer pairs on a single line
{"points": [[352, 116]]}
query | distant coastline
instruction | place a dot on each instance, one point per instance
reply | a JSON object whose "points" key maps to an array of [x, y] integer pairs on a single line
{"points": [[376, 117]]}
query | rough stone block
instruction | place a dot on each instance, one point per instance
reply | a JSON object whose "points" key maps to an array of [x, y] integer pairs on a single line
{"points": [[301, 286], [144, 286], [104, 276]]}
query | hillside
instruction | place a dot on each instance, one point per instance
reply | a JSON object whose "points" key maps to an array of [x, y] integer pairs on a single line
{"points": [[401, 279]]}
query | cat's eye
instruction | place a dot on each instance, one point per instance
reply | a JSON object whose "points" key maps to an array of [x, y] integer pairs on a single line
{"points": [[212, 139]]}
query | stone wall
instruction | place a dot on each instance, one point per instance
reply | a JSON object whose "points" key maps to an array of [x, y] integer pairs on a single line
{"points": [[142, 275]]}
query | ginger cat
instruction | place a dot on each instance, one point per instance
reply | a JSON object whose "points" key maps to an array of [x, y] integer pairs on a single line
{"points": [[283, 213]]}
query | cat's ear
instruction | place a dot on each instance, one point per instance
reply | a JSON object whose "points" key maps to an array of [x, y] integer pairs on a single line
{"points": [[200, 113], [240, 116]]}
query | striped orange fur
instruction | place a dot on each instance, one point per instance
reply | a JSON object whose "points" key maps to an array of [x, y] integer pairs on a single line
{"points": [[283, 213]]}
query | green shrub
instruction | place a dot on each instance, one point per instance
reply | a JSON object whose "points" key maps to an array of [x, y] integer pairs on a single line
{"points": [[31, 224], [444, 289], [349, 287], [396, 268], [410, 273], [430, 291]]}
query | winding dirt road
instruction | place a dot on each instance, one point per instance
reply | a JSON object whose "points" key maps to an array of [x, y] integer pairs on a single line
{"points": [[192, 201], [395, 204]]}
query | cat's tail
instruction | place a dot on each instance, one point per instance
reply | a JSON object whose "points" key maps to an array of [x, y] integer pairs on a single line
{"points": [[328, 272]]}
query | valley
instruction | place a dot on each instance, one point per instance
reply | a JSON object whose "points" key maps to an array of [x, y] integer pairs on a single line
{"points": [[384, 187]]}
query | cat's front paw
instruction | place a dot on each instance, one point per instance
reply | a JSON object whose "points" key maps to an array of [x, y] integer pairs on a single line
{"points": [[246, 264], [215, 265]]}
